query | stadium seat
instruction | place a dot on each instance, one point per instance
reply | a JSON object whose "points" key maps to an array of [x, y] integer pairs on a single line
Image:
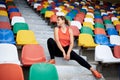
{"points": [[60, 14], [53, 19], [76, 31], [11, 72], [88, 24], [98, 20], [99, 25], [103, 53], [86, 40], [116, 22], [7, 36], [115, 39], [43, 71], [116, 51], [3, 13], [17, 19], [117, 27], [48, 14], [86, 30], [5, 25], [13, 10], [102, 40], [114, 18], [112, 31], [32, 53], [76, 23], [99, 31], [107, 21], [4, 19], [8, 54], [20, 26], [12, 14], [109, 26], [11, 6], [89, 20], [26, 37]]}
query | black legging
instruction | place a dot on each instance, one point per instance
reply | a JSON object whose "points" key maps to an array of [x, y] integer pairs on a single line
{"points": [[55, 51]]}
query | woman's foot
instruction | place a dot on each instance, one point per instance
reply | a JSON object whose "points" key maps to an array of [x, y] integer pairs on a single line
{"points": [[52, 61], [96, 74]]}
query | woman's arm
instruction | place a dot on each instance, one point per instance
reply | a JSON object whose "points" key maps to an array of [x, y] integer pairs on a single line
{"points": [[56, 37], [71, 43]]}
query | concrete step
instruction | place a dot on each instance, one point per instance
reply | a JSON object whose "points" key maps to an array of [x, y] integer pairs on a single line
{"points": [[67, 72]]}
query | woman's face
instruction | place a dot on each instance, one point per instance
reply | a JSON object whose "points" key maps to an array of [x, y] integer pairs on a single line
{"points": [[60, 21]]}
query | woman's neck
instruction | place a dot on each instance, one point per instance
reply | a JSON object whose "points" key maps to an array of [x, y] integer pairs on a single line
{"points": [[63, 26]]}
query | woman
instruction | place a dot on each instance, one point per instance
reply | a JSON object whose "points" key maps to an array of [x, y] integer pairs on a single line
{"points": [[63, 44]]}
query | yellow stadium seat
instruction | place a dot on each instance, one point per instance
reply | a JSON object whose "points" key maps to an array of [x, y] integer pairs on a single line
{"points": [[86, 40], [62, 7], [64, 11], [48, 14], [3, 13], [88, 24], [115, 22], [118, 17], [72, 7], [89, 16], [25, 37]]}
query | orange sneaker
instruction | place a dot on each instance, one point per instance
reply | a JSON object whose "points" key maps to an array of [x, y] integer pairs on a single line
{"points": [[51, 61], [96, 74]]}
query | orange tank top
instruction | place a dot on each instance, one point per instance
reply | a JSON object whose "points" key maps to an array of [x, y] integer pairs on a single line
{"points": [[64, 38]]}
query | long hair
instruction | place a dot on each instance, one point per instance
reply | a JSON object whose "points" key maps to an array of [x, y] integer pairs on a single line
{"points": [[63, 18]]}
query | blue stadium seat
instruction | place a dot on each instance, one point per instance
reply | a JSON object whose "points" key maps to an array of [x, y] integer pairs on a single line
{"points": [[112, 31], [102, 40], [6, 36]]}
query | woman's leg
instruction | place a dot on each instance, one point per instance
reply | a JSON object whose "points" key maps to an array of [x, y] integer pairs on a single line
{"points": [[85, 64], [80, 60], [53, 49]]}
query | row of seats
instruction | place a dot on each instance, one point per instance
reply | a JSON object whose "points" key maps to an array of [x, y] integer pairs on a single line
{"points": [[13, 26], [32, 52], [38, 71], [94, 25]]}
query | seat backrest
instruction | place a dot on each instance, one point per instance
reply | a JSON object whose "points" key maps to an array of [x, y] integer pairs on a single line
{"points": [[86, 40], [16, 19], [26, 37], [20, 26], [88, 24], [48, 14], [4, 18], [87, 30], [76, 31], [6, 36], [99, 31], [115, 39], [112, 31], [101, 39], [4, 25], [99, 25], [76, 23], [43, 71], [12, 14], [116, 51], [103, 52], [11, 72], [8, 54], [109, 26], [32, 53]]}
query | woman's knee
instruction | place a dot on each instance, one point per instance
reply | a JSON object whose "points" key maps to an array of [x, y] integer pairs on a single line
{"points": [[50, 40]]}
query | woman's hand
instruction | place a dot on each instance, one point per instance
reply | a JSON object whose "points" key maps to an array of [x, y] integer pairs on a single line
{"points": [[68, 56], [64, 56]]}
